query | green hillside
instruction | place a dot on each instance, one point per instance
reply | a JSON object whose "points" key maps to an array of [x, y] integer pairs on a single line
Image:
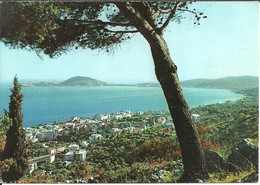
{"points": [[251, 91], [82, 81], [40, 84], [237, 83]]}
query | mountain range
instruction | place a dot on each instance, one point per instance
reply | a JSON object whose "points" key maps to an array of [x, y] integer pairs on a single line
{"points": [[232, 83], [239, 84]]}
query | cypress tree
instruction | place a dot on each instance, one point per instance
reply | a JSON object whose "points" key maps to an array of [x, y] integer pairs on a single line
{"points": [[15, 147]]}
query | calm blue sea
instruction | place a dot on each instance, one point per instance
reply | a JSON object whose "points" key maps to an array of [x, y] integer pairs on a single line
{"points": [[47, 104]]}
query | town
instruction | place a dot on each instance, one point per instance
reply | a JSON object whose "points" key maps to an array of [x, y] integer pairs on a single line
{"points": [[68, 140]]}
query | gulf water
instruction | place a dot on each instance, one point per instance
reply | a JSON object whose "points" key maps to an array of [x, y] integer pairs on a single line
{"points": [[43, 105]]}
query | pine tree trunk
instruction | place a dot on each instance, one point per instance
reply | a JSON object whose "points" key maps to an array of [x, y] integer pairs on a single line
{"points": [[166, 73]]}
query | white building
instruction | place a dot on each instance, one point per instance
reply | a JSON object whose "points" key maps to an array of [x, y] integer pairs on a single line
{"points": [[128, 112], [50, 134], [28, 136], [116, 117], [120, 115], [84, 144], [160, 119], [34, 140], [80, 155], [56, 150], [75, 119], [90, 121], [50, 159], [32, 167], [73, 147], [69, 156], [70, 124], [168, 124], [102, 117], [95, 138], [57, 129], [196, 117], [39, 135], [50, 126]]}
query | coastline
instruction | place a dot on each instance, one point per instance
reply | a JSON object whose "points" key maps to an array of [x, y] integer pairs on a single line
{"points": [[74, 113], [65, 119]]}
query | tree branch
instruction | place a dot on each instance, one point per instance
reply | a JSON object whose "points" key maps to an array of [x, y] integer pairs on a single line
{"points": [[186, 10], [100, 22], [166, 23], [139, 22], [160, 10], [146, 12], [126, 31]]}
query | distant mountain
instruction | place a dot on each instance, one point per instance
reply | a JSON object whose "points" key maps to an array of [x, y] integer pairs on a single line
{"points": [[74, 81], [240, 84], [82, 81]]}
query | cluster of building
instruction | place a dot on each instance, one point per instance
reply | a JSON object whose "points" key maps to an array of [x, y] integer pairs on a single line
{"points": [[114, 116], [48, 131], [95, 127]]}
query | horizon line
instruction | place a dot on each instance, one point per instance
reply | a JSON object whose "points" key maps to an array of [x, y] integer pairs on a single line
{"points": [[111, 83]]}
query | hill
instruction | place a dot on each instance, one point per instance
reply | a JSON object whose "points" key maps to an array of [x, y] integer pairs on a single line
{"points": [[82, 81], [251, 91], [74, 81], [237, 84]]}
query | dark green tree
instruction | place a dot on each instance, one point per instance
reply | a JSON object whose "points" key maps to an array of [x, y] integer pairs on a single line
{"points": [[55, 28], [4, 126], [15, 147]]}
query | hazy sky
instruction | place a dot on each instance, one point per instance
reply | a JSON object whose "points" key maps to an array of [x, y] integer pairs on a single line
{"points": [[225, 44]]}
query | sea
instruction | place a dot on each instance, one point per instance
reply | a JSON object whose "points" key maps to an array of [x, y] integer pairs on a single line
{"points": [[42, 105]]}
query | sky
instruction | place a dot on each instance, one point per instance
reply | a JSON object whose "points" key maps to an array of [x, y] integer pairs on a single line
{"points": [[224, 44]]}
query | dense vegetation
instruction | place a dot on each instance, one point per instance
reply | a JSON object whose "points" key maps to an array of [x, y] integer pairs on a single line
{"points": [[250, 92], [152, 150], [149, 156], [239, 119], [4, 126]]}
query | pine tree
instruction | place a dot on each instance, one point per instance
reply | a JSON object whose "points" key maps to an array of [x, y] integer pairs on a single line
{"points": [[15, 140], [56, 28]]}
